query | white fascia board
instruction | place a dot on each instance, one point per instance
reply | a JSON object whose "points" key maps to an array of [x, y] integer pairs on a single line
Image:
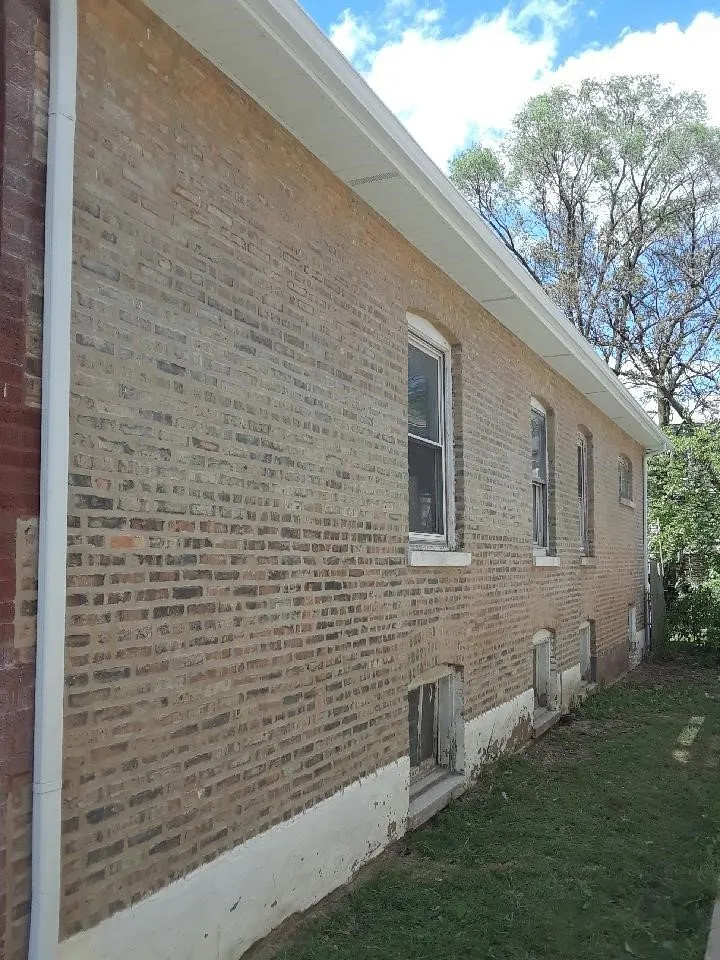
{"points": [[325, 77]]}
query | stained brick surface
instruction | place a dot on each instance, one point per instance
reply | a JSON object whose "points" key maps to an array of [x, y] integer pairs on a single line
{"points": [[23, 86], [242, 621]]}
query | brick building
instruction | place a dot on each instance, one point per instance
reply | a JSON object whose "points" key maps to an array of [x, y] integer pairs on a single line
{"points": [[350, 507]]}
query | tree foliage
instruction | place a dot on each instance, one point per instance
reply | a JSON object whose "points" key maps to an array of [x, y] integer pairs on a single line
{"points": [[684, 507], [610, 197]]}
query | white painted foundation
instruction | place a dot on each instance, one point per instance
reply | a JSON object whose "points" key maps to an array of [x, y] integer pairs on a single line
{"points": [[637, 648], [487, 736], [221, 909]]}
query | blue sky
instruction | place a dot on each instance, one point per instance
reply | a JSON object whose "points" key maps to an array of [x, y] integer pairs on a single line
{"points": [[459, 70], [612, 16]]}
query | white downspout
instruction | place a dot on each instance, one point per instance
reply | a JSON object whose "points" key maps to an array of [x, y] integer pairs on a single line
{"points": [[646, 552], [52, 549]]}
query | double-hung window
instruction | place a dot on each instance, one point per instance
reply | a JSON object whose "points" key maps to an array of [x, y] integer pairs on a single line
{"points": [[539, 476], [583, 494], [429, 433]]}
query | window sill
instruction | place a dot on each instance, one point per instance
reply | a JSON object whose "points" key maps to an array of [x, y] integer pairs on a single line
{"points": [[542, 560], [627, 503], [588, 561], [417, 557]]}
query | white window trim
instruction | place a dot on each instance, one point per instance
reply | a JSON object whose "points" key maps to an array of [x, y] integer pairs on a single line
{"points": [[424, 335], [542, 551], [418, 557], [543, 560]]}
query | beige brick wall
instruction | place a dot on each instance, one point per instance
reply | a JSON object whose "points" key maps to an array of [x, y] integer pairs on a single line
{"points": [[242, 623]]}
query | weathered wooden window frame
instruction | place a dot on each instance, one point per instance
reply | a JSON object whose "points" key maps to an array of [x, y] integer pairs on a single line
{"points": [[423, 335], [541, 544], [583, 454]]}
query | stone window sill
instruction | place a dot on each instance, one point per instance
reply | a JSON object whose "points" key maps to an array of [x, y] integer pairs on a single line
{"points": [[627, 503], [588, 561], [418, 557], [543, 560]]}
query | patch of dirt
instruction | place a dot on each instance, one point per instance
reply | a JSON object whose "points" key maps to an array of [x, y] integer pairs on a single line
{"points": [[661, 672], [556, 749]]}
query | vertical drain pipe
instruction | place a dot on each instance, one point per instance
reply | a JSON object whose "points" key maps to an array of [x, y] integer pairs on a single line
{"points": [[52, 547], [646, 553]]}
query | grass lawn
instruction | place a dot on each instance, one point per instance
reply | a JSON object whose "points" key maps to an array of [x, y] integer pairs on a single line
{"points": [[601, 841]]}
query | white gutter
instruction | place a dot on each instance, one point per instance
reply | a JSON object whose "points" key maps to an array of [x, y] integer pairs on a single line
{"points": [[52, 551]]}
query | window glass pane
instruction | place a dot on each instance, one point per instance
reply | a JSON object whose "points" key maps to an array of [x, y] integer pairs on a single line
{"points": [[539, 514], [423, 384], [625, 480], [539, 446], [422, 705], [427, 723], [425, 487], [581, 470], [414, 723]]}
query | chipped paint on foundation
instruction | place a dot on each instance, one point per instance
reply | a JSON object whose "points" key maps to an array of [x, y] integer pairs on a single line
{"points": [[496, 731], [219, 910]]}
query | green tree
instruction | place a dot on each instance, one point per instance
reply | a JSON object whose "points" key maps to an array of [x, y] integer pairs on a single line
{"points": [[684, 506], [610, 197]]}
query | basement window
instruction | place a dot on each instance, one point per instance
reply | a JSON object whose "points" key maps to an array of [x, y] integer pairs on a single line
{"points": [[435, 726], [423, 722], [541, 671], [585, 638]]}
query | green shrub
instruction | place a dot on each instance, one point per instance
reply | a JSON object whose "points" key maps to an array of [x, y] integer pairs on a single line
{"points": [[694, 617]]}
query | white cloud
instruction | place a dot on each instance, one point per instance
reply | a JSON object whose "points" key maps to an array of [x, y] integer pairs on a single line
{"points": [[684, 58], [449, 88], [351, 35]]}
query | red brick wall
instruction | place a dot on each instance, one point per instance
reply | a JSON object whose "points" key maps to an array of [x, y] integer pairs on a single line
{"points": [[23, 44]]}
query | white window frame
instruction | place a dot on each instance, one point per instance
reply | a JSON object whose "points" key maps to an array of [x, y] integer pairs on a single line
{"points": [[542, 549], [423, 335], [584, 496]]}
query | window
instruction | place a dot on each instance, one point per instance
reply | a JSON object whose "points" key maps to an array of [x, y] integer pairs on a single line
{"points": [[435, 723], [539, 476], [625, 480], [429, 434], [423, 723], [583, 495], [585, 637], [543, 681]]}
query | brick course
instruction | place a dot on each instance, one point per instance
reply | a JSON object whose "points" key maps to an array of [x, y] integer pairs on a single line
{"points": [[242, 622], [23, 112]]}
